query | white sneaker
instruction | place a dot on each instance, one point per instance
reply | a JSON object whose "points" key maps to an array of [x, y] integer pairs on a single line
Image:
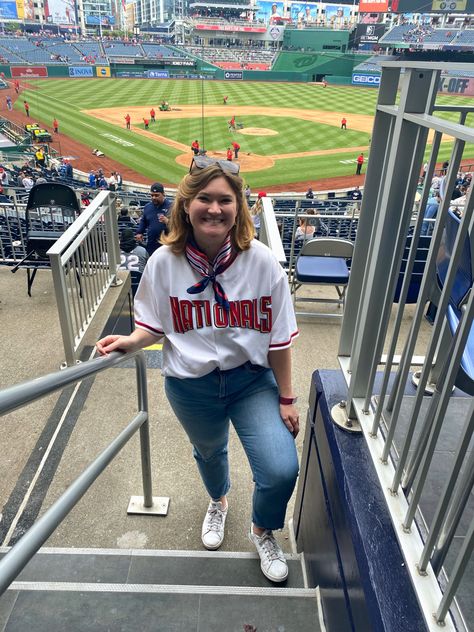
{"points": [[212, 534], [273, 563]]}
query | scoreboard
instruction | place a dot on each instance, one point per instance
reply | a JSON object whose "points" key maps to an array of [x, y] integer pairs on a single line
{"points": [[432, 6]]}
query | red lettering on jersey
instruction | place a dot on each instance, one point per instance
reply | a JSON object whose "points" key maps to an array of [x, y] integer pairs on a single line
{"points": [[246, 312], [266, 312], [175, 313], [207, 310], [221, 318], [198, 305], [186, 308], [234, 314]]}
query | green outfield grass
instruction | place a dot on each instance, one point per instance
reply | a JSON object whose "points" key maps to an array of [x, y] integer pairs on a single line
{"points": [[67, 98]]}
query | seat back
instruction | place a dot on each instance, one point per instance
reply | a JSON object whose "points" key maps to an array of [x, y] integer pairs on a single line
{"points": [[328, 247]]}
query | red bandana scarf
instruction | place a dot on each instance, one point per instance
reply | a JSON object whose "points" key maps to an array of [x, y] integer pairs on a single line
{"points": [[209, 270]]}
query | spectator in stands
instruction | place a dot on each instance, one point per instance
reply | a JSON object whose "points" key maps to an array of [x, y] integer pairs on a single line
{"points": [[4, 199], [119, 179], [133, 256], [40, 158], [355, 194], [27, 182], [306, 229], [256, 212], [155, 218], [4, 177], [92, 179], [124, 220], [112, 182], [69, 171], [309, 194], [254, 364], [247, 193], [431, 211], [360, 162]]}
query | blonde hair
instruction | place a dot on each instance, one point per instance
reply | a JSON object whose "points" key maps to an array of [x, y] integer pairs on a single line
{"points": [[180, 230]]}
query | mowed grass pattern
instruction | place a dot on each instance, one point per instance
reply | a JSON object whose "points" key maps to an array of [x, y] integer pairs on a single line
{"points": [[66, 98], [293, 135]]}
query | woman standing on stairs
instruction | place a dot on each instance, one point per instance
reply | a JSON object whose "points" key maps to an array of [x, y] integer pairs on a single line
{"points": [[221, 301]]}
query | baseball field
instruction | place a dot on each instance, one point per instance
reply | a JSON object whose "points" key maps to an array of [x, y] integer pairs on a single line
{"points": [[288, 133]]}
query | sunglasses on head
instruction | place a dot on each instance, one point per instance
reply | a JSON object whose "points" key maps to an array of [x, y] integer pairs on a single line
{"points": [[203, 162]]}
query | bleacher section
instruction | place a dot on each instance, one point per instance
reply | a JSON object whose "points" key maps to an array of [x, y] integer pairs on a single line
{"points": [[465, 38], [426, 36], [159, 51], [235, 58], [122, 49]]}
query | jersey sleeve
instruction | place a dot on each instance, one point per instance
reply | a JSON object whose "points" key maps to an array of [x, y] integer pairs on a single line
{"points": [[147, 315], [284, 327]]}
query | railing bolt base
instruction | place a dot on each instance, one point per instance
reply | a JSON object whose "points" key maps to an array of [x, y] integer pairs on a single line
{"points": [[159, 507], [420, 572], [340, 418]]}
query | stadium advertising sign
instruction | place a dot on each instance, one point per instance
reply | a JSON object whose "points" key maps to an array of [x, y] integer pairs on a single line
{"points": [[10, 10], [158, 74], [369, 33], [103, 71], [337, 14], [61, 12], [105, 20], [373, 6], [365, 79], [456, 85], [24, 8], [306, 12], [275, 33], [233, 75], [28, 71], [270, 11], [230, 27], [81, 71]]}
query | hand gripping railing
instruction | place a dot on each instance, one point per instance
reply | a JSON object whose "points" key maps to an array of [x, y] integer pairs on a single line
{"points": [[19, 395]]}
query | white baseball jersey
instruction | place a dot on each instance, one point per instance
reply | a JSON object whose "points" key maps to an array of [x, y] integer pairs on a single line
{"points": [[200, 335]]}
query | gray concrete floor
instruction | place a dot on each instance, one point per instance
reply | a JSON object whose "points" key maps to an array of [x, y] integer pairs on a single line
{"points": [[31, 346]]}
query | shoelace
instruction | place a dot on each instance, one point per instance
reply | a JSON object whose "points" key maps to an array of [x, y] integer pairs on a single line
{"points": [[270, 547], [215, 518]]}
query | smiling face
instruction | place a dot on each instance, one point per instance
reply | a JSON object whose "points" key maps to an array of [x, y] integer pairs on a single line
{"points": [[212, 213]]}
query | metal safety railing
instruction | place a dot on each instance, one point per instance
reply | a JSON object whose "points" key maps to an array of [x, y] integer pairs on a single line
{"points": [[84, 262], [20, 395], [377, 332]]}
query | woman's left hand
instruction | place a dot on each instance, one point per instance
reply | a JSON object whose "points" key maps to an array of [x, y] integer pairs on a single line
{"points": [[291, 418]]}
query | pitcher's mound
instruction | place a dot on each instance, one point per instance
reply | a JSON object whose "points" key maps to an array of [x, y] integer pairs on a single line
{"points": [[258, 131]]}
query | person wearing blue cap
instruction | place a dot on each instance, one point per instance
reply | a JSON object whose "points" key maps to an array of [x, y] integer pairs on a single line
{"points": [[154, 221]]}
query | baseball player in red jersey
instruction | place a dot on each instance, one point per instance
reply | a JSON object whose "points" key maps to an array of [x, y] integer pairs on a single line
{"points": [[226, 351]]}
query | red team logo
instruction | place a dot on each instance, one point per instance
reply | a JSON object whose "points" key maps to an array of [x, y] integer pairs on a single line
{"points": [[246, 314]]}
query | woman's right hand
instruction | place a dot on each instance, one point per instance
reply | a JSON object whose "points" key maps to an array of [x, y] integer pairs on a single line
{"points": [[115, 343]]}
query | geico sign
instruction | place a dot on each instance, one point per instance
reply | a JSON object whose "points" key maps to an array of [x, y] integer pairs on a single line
{"points": [[366, 79]]}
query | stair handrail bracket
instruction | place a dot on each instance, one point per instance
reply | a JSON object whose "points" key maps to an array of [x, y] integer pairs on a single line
{"points": [[84, 262], [19, 395]]}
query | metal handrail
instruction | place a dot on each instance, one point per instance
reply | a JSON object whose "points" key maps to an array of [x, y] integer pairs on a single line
{"points": [[22, 394]]}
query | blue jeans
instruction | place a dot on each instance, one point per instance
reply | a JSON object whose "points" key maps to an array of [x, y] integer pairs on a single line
{"points": [[247, 396]]}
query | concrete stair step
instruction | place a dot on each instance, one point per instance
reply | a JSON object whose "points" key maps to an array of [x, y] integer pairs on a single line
{"points": [[123, 590]]}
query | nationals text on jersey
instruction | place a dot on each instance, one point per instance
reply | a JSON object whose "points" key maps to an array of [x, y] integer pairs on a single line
{"points": [[248, 314]]}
